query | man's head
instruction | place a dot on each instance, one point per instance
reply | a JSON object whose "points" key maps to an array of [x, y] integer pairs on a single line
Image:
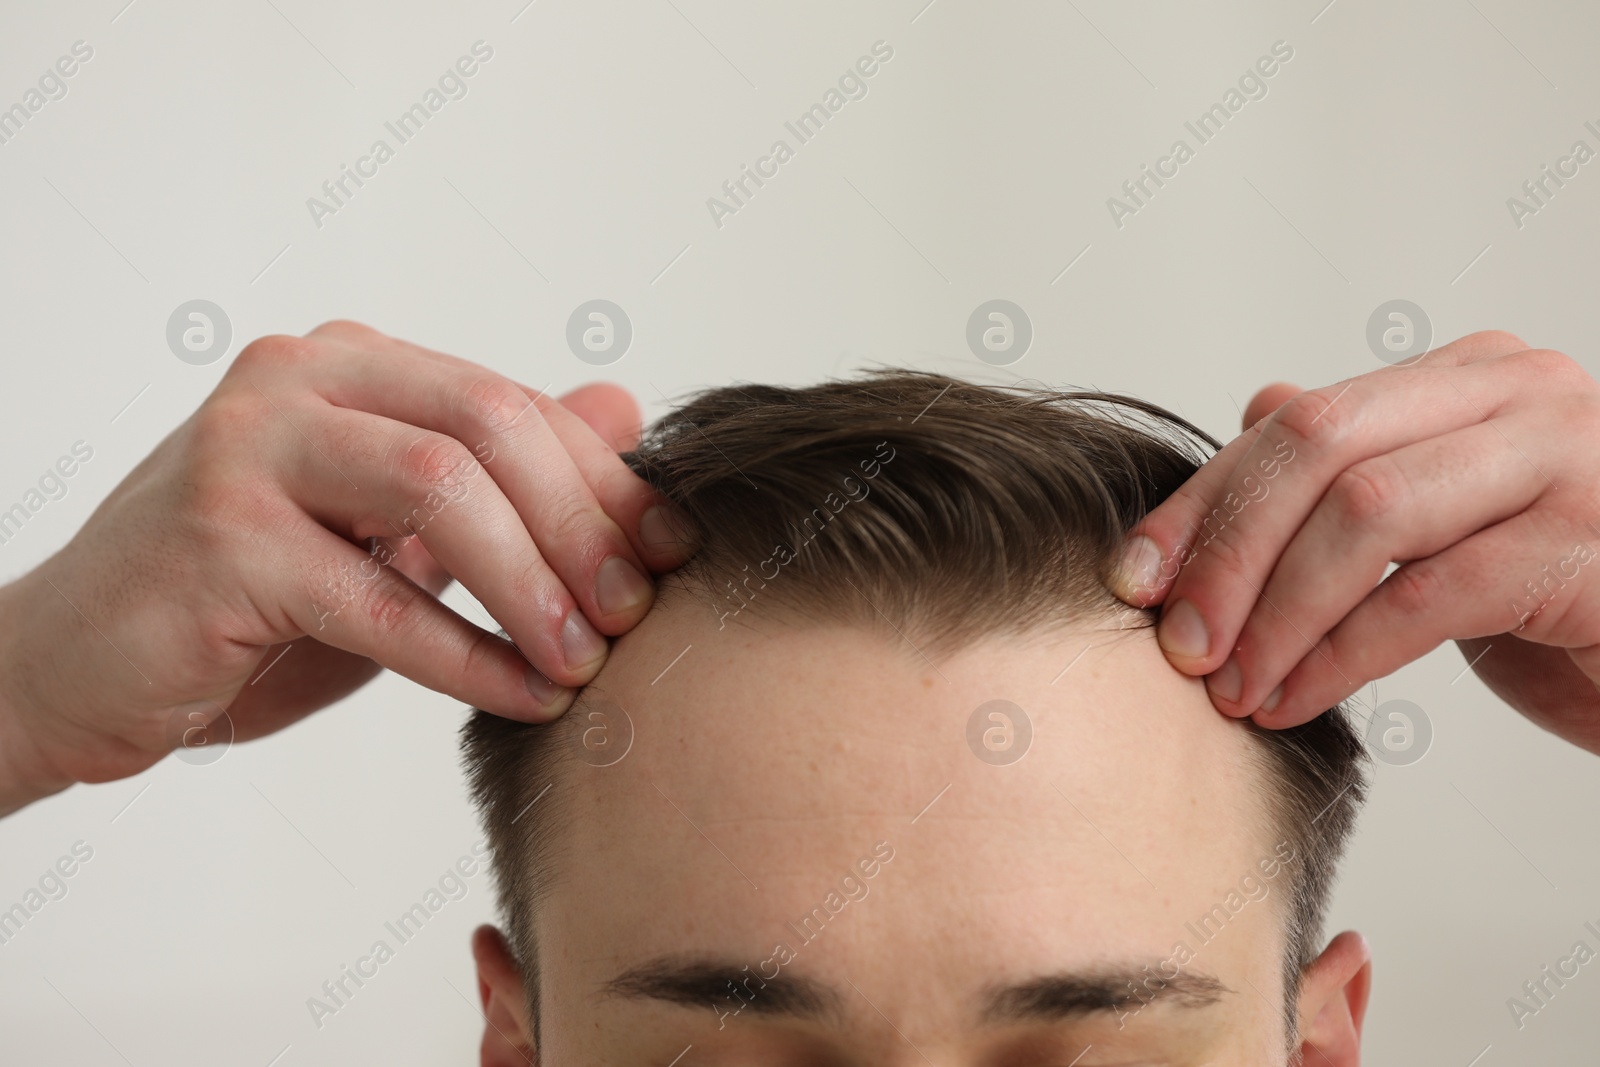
{"points": [[889, 775]]}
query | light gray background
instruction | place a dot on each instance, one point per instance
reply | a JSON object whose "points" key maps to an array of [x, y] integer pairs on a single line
{"points": [[178, 167]]}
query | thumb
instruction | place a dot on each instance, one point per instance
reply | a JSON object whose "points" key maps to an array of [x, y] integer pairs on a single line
{"points": [[1268, 400]]}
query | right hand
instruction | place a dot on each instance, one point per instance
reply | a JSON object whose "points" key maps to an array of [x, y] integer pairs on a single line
{"points": [[243, 533]]}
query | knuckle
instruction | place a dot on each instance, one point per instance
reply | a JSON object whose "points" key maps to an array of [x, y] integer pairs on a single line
{"points": [[435, 463], [1548, 365], [1500, 341], [228, 419], [1414, 588], [494, 403], [392, 605], [1368, 492], [347, 330], [481, 657], [275, 352], [532, 584], [1218, 545], [617, 487], [580, 529], [259, 352], [1321, 418]]}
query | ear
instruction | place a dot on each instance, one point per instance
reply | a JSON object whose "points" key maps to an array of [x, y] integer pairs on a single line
{"points": [[507, 1036], [1333, 1002], [1268, 400]]}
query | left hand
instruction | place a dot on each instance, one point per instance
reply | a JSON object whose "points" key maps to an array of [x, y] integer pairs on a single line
{"points": [[1476, 468]]}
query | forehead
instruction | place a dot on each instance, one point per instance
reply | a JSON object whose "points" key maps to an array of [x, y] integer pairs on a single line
{"points": [[769, 760]]}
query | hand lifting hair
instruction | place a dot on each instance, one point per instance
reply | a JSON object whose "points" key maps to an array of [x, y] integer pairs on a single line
{"points": [[889, 775]]}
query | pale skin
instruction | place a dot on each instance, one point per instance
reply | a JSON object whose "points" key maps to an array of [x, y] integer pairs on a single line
{"points": [[774, 756], [1473, 467], [245, 532], [238, 536]]}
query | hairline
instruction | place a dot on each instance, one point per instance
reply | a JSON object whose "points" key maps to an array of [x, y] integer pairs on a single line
{"points": [[1272, 824]]}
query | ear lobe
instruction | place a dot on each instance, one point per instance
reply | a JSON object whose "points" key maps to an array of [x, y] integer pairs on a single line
{"points": [[1333, 1002], [507, 1035]]}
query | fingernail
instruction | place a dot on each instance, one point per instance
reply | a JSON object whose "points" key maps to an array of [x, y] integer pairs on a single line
{"points": [[1136, 572], [1272, 699], [619, 587], [1226, 681], [665, 531], [541, 688], [1182, 631], [581, 643]]}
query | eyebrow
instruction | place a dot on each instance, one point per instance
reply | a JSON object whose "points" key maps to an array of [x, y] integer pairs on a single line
{"points": [[713, 982], [1103, 990]]}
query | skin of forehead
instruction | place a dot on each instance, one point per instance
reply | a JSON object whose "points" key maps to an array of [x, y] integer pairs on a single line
{"points": [[771, 757]]}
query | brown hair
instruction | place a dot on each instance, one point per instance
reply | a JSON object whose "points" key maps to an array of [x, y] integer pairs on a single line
{"points": [[951, 511]]}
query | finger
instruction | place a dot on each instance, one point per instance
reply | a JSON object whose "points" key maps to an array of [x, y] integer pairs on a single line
{"points": [[314, 675], [413, 560], [657, 530], [1545, 683], [352, 600], [369, 476], [1515, 577], [607, 423], [1316, 436], [1473, 348], [1406, 505], [1161, 544], [1158, 546], [515, 442], [294, 680], [609, 410], [1268, 400]]}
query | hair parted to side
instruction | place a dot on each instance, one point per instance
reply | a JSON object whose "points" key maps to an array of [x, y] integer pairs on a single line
{"points": [[956, 511]]}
